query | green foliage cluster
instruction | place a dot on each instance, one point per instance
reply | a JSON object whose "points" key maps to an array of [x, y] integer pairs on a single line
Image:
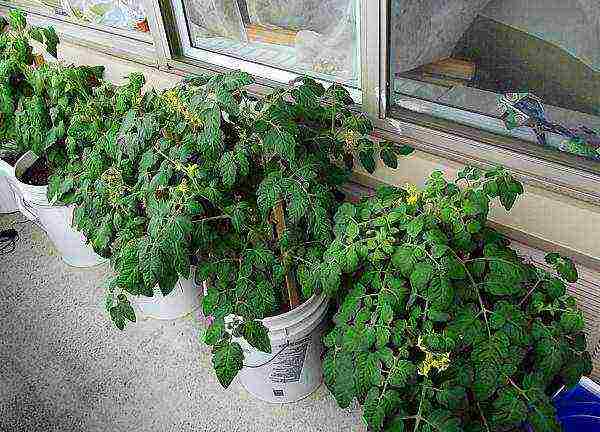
{"points": [[44, 112], [194, 173], [17, 61], [300, 142], [37, 98], [441, 325]]}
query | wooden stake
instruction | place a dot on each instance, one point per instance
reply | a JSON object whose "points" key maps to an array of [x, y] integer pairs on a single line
{"points": [[290, 280]]}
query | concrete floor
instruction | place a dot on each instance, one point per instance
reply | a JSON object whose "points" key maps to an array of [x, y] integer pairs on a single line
{"points": [[64, 367]]}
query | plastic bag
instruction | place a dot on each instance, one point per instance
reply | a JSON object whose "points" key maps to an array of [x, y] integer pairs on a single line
{"points": [[210, 18]]}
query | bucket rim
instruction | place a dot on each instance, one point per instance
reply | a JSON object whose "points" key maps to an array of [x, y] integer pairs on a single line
{"points": [[286, 319], [22, 164], [5, 166]]}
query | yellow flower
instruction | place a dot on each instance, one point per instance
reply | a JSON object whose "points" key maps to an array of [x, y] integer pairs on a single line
{"points": [[191, 170], [413, 193], [440, 361], [182, 187], [174, 102]]}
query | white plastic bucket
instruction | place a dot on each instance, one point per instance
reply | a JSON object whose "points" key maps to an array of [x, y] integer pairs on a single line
{"points": [[54, 220], [8, 202], [294, 368], [183, 300]]}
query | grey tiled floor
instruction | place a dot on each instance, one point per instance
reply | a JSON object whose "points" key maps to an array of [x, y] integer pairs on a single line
{"points": [[63, 367]]}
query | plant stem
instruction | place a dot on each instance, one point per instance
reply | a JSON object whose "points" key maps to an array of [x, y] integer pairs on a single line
{"points": [[530, 292]]}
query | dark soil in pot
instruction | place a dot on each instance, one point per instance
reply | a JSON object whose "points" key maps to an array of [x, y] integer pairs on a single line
{"points": [[37, 174], [10, 159]]}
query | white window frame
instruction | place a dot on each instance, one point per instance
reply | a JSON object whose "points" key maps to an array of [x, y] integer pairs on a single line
{"points": [[270, 73]]}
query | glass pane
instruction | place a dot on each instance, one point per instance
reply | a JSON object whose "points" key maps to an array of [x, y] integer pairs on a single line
{"points": [[122, 14], [315, 37], [523, 68]]}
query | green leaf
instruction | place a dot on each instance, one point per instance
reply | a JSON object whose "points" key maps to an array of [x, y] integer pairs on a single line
{"points": [[509, 408], [443, 421], [389, 158], [51, 41], [401, 373], [297, 200], [386, 313], [227, 361], [117, 317], [368, 372], [16, 19], [415, 226], [563, 266], [338, 373], [126, 309], [367, 160], [352, 230], [572, 321], [268, 194], [403, 259], [421, 275], [396, 425], [214, 332], [373, 411], [281, 142], [404, 150], [554, 287], [257, 335], [228, 168]]}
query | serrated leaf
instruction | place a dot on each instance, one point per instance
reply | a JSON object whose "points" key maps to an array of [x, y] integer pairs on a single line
{"points": [[373, 411], [227, 361], [268, 194], [421, 275], [338, 373], [228, 168], [415, 226], [214, 332], [280, 141], [404, 260], [257, 335], [401, 373]]}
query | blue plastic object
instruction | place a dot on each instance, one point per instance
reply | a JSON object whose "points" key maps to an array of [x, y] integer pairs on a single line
{"points": [[578, 409]]}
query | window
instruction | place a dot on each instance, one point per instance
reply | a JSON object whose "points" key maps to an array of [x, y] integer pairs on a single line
{"points": [[276, 39], [510, 82], [525, 69], [119, 14]]}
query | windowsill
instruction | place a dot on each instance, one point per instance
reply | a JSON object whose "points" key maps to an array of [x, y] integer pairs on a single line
{"points": [[567, 174], [479, 108]]}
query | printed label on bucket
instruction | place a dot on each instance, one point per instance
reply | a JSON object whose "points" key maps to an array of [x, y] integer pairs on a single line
{"points": [[289, 364]]}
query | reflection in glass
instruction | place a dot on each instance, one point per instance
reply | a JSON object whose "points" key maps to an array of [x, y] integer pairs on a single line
{"points": [[123, 14], [526, 68], [318, 37]]}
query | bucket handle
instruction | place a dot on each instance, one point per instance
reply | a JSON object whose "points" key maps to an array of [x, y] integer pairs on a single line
{"points": [[21, 203], [26, 210], [287, 344]]}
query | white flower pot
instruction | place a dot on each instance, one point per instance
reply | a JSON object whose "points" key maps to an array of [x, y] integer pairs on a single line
{"points": [[294, 369], [183, 300], [8, 202], [54, 220]]}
